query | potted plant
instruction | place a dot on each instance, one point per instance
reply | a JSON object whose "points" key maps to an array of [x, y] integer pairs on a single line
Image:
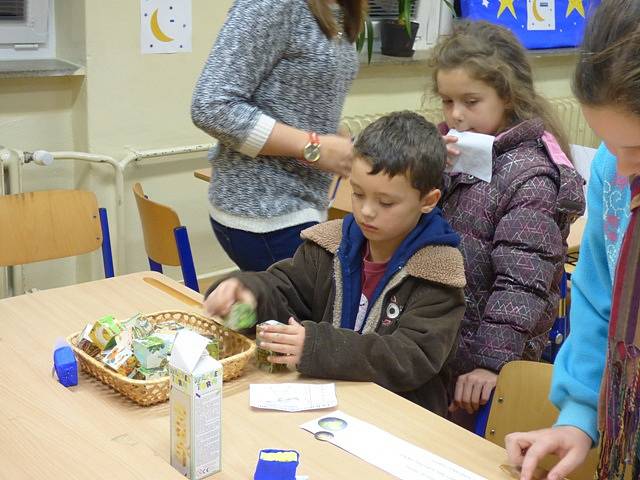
{"points": [[398, 35]]}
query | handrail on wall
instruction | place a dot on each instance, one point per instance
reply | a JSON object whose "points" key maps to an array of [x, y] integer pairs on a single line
{"points": [[15, 159]]}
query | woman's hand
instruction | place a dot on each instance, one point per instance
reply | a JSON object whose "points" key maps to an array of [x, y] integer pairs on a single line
{"points": [[285, 339], [336, 154], [452, 151], [229, 291], [570, 444], [473, 389]]}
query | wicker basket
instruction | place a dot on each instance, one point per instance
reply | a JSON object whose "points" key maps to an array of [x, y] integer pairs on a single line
{"points": [[237, 350]]}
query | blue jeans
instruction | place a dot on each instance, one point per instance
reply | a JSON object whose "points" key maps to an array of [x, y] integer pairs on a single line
{"points": [[256, 252]]}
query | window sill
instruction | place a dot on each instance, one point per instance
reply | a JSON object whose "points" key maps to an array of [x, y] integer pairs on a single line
{"points": [[422, 56], [47, 67]]}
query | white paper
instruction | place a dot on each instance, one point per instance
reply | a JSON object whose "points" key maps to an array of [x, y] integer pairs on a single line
{"points": [[582, 158], [387, 452], [476, 154], [292, 397], [165, 26]]}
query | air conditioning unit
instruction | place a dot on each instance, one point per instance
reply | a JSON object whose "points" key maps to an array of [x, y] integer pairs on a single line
{"points": [[433, 16], [24, 23]]}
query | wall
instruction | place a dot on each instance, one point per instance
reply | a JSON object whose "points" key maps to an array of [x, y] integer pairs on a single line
{"points": [[131, 101]]}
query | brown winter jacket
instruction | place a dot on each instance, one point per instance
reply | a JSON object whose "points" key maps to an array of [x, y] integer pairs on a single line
{"points": [[410, 334]]}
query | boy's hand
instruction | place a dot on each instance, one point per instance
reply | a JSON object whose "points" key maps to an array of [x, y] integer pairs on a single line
{"points": [[570, 444], [230, 291], [286, 339], [452, 151], [473, 389]]}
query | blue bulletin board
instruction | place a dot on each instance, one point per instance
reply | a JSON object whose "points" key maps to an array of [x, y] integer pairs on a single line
{"points": [[537, 23]]}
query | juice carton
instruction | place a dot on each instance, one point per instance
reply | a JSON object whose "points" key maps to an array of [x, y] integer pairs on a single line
{"points": [[195, 404]]}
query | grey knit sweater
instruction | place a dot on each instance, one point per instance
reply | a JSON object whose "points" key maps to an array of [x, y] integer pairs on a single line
{"points": [[270, 62]]}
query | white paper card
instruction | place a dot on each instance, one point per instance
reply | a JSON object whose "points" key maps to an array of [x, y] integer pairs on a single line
{"points": [[387, 452], [476, 154], [292, 397], [165, 26]]}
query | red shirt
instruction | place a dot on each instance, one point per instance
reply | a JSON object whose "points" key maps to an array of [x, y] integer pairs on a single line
{"points": [[372, 272]]}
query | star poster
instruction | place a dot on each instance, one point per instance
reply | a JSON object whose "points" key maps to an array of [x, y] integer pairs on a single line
{"points": [[165, 26], [537, 23]]}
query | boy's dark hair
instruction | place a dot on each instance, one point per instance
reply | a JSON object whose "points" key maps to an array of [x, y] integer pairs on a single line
{"points": [[404, 143], [608, 70]]}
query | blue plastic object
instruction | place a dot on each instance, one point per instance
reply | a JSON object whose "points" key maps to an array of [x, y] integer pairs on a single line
{"points": [[271, 469], [537, 23], [66, 366]]}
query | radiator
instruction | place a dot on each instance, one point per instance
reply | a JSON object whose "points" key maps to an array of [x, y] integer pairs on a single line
{"points": [[567, 109]]}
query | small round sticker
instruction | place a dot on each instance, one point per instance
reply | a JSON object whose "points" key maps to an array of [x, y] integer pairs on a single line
{"points": [[393, 310], [323, 436], [333, 424]]}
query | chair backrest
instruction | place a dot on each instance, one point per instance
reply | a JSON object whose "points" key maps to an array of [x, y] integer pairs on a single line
{"points": [[48, 224], [521, 403], [158, 224]]}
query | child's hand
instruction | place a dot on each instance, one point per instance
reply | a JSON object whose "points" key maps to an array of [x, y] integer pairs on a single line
{"points": [[452, 152], [473, 389], [570, 444], [230, 291], [288, 340]]}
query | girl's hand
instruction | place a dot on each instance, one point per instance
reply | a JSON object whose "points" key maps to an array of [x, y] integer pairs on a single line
{"points": [[452, 151], [336, 154], [230, 291], [286, 339], [570, 444], [473, 389]]}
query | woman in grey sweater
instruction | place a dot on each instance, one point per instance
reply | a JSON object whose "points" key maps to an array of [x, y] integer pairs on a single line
{"points": [[272, 92]]}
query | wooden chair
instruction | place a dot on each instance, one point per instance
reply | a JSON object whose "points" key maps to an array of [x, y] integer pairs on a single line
{"points": [[44, 225], [165, 240], [520, 403]]}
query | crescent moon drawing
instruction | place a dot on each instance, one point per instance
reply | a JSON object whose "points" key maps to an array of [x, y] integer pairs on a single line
{"points": [[536, 13], [157, 31]]}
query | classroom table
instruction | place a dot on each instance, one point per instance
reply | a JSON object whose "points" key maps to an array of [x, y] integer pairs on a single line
{"points": [[91, 431]]}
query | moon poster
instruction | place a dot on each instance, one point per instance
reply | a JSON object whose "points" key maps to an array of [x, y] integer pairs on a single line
{"points": [[165, 26], [537, 23]]}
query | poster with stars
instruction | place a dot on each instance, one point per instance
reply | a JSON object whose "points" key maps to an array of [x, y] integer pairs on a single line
{"points": [[537, 23], [165, 26]]}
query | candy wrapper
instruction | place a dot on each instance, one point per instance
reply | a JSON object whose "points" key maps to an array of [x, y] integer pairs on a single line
{"points": [[86, 344], [139, 326], [104, 331], [241, 317], [151, 373], [168, 327], [262, 354], [121, 359], [213, 347], [151, 351]]}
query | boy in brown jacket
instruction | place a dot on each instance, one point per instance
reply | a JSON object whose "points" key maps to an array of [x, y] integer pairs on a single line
{"points": [[377, 296]]}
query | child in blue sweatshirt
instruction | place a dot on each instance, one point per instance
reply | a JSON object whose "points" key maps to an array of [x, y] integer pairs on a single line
{"points": [[607, 84], [377, 296]]}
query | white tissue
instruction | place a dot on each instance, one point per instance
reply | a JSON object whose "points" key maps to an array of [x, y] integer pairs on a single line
{"points": [[476, 154]]}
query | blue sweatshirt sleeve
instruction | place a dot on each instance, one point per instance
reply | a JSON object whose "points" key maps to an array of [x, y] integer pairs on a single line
{"points": [[578, 368]]}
